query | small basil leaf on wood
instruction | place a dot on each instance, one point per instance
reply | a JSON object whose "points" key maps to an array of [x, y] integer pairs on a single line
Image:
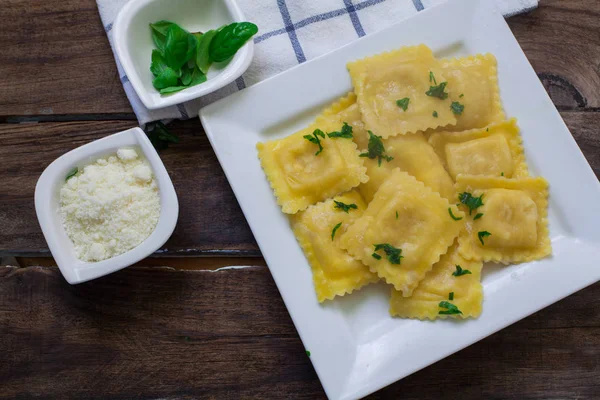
{"points": [[180, 46], [229, 39], [159, 135], [158, 63], [159, 33], [203, 51], [167, 78]]}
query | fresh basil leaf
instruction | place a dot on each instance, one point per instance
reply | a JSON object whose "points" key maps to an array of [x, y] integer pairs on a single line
{"points": [[167, 78], [203, 51], [159, 136], [159, 33], [158, 63], [198, 77], [229, 39], [179, 47], [172, 89], [186, 75]]}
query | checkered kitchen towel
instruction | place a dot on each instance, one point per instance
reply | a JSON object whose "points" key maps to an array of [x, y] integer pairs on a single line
{"points": [[291, 32]]}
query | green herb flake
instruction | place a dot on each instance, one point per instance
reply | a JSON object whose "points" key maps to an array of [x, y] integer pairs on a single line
{"points": [[396, 215], [159, 136], [479, 215], [461, 96], [450, 309], [470, 201], [308, 353], [376, 256], [376, 149], [393, 254], [344, 207], [432, 78], [314, 138], [501, 173], [451, 296], [335, 228], [345, 133], [483, 234], [435, 114], [403, 103], [438, 91], [457, 108], [460, 272], [71, 173], [452, 215]]}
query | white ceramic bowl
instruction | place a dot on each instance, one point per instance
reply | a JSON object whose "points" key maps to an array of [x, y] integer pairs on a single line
{"points": [[133, 44], [47, 194]]}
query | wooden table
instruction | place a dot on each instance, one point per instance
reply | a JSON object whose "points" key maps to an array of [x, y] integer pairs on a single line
{"points": [[172, 327]]}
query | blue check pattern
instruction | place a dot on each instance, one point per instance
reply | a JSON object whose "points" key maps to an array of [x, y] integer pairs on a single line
{"points": [[290, 33]]}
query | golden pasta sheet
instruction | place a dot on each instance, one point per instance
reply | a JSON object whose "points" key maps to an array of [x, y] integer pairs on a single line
{"points": [[452, 280], [309, 166], [346, 110], [493, 151], [402, 91], [318, 230], [411, 153], [510, 221], [473, 83], [403, 232]]}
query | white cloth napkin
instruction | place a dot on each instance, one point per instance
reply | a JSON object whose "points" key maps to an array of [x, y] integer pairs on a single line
{"points": [[291, 32]]}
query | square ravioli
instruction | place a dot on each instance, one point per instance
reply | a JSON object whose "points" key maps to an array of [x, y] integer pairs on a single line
{"points": [[411, 153], [473, 83], [452, 274], [318, 230], [493, 151], [403, 232], [509, 220], [402, 91], [309, 166], [345, 110]]}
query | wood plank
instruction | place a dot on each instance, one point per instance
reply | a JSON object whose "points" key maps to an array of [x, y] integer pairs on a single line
{"points": [[210, 220], [56, 60], [562, 43], [59, 60], [164, 333]]}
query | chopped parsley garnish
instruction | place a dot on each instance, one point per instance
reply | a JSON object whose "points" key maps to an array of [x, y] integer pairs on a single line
{"points": [[376, 149], [308, 353], [345, 133], [501, 173], [450, 309], [451, 296], [452, 215], [438, 91], [396, 214], [335, 228], [457, 108], [470, 201], [344, 207], [376, 256], [483, 234], [435, 114], [461, 96], [314, 138], [460, 272], [403, 103], [479, 215], [432, 78], [71, 173], [393, 254]]}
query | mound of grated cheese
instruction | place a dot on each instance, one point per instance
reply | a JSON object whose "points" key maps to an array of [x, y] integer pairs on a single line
{"points": [[111, 206]]}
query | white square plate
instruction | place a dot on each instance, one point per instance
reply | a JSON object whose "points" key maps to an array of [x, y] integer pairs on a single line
{"points": [[356, 347]]}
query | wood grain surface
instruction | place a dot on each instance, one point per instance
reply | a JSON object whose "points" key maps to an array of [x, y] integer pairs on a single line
{"points": [[164, 333], [178, 328]]}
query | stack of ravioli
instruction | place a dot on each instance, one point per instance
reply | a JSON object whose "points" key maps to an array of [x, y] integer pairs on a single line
{"points": [[416, 179]]}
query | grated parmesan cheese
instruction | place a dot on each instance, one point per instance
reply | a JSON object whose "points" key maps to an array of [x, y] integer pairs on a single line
{"points": [[110, 207]]}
